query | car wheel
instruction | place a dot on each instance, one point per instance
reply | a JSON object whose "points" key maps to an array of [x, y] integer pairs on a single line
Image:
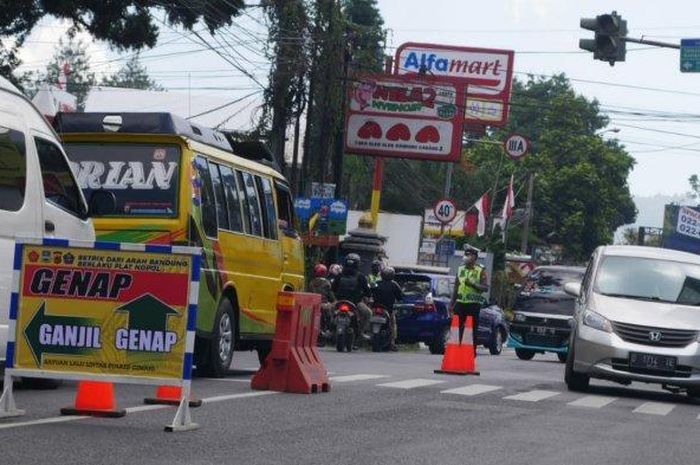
{"points": [[496, 346], [437, 345], [222, 342], [562, 356], [525, 354], [575, 381]]}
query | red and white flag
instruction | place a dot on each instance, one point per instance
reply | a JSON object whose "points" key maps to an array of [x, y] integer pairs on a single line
{"points": [[475, 221], [509, 203]]}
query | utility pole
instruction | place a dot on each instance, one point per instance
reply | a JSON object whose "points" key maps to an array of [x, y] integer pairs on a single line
{"points": [[528, 213], [448, 179]]}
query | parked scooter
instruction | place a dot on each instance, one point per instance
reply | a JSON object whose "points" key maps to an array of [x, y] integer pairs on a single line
{"points": [[380, 323], [346, 326]]}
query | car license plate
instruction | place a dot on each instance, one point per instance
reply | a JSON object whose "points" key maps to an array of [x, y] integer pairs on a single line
{"points": [[653, 362], [539, 330]]}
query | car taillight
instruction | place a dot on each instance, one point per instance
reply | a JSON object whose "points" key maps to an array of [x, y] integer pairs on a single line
{"points": [[344, 308], [425, 308]]}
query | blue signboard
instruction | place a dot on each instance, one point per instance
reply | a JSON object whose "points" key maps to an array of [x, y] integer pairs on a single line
{"points": [[690, 55], [322, 217]]}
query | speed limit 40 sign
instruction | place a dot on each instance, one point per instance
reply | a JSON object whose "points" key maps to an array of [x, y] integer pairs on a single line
{"points": [[445, 210]]}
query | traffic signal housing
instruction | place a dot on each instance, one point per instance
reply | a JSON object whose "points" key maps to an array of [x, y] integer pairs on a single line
{"points": [[608, 44]]}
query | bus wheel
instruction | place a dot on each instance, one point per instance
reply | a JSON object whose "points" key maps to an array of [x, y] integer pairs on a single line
{"points": [[222, 342]]}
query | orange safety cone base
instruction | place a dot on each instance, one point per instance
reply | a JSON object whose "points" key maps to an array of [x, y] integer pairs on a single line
{"points": [[170, 395], [462, 373], [96, 399]]}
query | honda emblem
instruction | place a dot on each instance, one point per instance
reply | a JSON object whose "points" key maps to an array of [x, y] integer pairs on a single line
{"points": [[655, 336]]}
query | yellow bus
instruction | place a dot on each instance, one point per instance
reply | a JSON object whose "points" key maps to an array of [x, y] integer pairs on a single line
{"points": [[177, 183]]}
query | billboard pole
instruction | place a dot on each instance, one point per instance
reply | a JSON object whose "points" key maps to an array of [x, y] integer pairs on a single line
{"points": [[379, 168]]}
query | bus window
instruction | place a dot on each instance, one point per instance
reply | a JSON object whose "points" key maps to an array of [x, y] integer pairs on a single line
{"points": [[256, 224], [241, 195], [268, 203], [208, 204], [232, 198], [221, 213], [286, 209]]}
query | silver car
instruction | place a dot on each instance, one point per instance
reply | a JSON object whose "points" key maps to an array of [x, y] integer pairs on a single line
{"points": [[637, 319]]}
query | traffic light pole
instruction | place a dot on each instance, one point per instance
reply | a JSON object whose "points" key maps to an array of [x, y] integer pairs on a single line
{"points": [[651, 42]]}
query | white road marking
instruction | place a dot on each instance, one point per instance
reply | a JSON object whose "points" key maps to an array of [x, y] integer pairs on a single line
{"points": [[592, 401], [411, 383], [472, 389], [654, 408], [533, 396], [137, 409], [229, 380], [349, 378]]}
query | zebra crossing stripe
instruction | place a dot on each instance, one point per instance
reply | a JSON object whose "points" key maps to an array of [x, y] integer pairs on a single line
{"points": [[360, 377], [411, 383], [472, 390], [533, 396], [592, 401], [654, 408]]}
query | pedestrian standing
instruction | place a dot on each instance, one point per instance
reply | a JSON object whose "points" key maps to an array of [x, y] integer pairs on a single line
{"points": [[467, 298]]}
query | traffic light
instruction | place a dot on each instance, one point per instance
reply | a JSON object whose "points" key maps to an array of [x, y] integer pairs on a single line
{"points": [[609, 44]]}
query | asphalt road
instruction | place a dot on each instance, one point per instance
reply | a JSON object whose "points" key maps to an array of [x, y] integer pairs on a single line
{"points": [[382, 408]]}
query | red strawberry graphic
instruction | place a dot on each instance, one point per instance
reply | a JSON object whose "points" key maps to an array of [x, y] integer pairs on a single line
{"points": [[398, 132], [428, 134], [370, 130]]}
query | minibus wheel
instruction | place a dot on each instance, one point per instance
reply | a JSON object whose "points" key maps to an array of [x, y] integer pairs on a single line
{"points": [[222, 341]]}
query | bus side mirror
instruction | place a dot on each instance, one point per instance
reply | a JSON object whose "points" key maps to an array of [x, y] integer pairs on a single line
{"points": [[102, 203]]}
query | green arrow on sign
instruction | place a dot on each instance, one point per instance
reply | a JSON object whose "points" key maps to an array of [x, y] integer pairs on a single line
{"points": [[83, 337], [148, 312]]}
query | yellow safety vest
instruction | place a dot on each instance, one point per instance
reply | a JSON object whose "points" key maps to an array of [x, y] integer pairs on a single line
{"points": [[467, 294]]}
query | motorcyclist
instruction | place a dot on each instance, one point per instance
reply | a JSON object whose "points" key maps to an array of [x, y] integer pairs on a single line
{"points": [[386, 293], [322, 286], [375, 276], [351, 285]]}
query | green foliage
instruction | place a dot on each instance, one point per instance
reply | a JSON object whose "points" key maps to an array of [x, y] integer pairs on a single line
{"points": [[133, 75], [365, 34], [79, 78], [124, 24], [694, 187]]}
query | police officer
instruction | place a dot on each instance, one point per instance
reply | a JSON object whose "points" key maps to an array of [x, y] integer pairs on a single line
{"points": [[375, 275], [467, 300]]}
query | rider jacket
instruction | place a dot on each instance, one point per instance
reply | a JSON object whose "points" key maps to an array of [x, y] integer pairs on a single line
{"points": [[350, 286]]}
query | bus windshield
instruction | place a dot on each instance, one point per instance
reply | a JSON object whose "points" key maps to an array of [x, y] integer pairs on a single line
{"points": [[142, 177]]}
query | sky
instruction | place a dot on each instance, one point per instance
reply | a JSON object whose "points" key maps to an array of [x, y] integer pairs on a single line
{"points": [[654, 105]]}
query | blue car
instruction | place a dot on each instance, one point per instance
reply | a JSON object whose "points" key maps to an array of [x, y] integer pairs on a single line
{"points": [[423, 315]]}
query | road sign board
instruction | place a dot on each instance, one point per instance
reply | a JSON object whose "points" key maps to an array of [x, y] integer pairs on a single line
{"points": [[690, 55], [445, 210], [446, 247], [516, 146]]}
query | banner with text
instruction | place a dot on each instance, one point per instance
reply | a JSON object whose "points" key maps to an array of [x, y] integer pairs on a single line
{"points": [[106, 312]]}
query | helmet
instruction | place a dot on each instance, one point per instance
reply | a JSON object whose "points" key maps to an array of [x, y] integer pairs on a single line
{"points": [[352, 261], [377, 266], [320, 271], [335, 269], [388, 273]]}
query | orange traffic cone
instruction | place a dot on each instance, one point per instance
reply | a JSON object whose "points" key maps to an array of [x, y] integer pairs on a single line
{"points": [[459, 355], [170, 395], [95, 398]]}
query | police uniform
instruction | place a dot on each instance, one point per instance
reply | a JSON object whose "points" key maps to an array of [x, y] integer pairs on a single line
{"points": [[469, 299]]}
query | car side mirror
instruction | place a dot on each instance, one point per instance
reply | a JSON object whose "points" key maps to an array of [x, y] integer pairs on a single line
{"points": [[102, 203], [573, 289]]}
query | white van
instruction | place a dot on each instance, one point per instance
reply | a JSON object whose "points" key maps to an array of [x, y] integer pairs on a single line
{"points": [[39, 196]]}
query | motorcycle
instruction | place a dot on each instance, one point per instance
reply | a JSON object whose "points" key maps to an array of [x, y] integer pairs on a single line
{"points": [[345, 322], [380, 322]]}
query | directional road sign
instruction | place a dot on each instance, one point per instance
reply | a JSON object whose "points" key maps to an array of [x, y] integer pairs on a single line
{"points": [[690, 55]]}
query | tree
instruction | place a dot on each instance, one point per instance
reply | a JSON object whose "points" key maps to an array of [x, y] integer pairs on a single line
{"points": [[133, 75], [124, 24], [694, 187], [73, 55], [581, 193]]}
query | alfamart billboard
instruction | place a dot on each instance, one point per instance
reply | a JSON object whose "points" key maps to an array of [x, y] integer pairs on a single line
{"points": [[682, 228]]}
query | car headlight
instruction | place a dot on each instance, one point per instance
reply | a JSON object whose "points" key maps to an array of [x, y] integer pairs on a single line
{"points": [[597, 321], [519, 317]]}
